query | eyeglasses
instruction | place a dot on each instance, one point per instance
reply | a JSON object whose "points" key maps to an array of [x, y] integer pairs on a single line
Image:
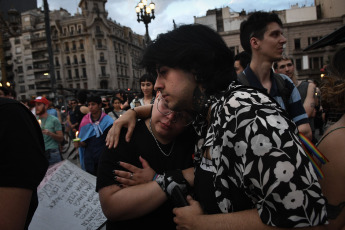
{"points": [[183, 117]]}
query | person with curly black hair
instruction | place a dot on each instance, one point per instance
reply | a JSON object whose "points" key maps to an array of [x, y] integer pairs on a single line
{"points": [[332, 142]]}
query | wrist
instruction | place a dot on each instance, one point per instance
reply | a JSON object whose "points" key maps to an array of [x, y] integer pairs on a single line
{"points": [[136, 114]]}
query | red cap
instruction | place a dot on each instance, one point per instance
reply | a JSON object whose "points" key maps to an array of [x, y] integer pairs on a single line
{"points": [[42, 100]]}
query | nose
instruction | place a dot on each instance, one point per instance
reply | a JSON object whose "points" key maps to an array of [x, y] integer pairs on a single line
{"points": [[283, 40], [159, 84], [171, 117]]}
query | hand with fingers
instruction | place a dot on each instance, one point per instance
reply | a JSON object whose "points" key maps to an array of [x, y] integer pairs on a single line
{"points": [[134, 175]]}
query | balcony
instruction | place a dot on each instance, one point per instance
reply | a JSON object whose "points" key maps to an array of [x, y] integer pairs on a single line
{"points": [[82, 63], [99, 34], [101, 47], [68, 65], [81, 48], [102, 61], [103, 76]]}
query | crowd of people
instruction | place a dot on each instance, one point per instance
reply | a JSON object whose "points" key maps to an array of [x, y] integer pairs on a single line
{"points": [[212, 141]]}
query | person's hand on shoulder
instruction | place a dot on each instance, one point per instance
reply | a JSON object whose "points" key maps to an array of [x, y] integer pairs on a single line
{"points": [[127, 120]]}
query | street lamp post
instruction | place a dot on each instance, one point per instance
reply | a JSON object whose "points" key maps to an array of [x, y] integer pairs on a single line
{"points": [[145, 14]]}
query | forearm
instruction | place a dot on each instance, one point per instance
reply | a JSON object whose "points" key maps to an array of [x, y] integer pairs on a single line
{"points": [[243, 220], [56, 136], [143, 112], [188, 174], [131, 202]]}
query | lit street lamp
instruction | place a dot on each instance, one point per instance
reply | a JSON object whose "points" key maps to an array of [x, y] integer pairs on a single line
{"points": [[145, 13]]}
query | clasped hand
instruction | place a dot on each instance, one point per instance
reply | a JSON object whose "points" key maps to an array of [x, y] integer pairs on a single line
{"points": [[139, 175]]}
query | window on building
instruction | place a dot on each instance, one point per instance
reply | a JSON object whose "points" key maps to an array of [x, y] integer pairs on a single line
{"points": [[18, 50], [297, 42], [82, 58], [311, 40], [99, 43], [76, 71], [57, 48], [298, 64], [69, 73], [316, 63], [84, 73], [20, 69], [31, 87], [104, 84], [72, 30], [103, 71], [101, 56], [85, 85], [68, 60], [79, 29], [78, 86], [16, 41], [75, 59], [81, 44], [71, 86], [64, 31], [74, 46], [66, 46], [57, 63], [58, 76]]}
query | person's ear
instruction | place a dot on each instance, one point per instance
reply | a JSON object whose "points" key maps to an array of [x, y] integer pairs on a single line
{"points": [[254, 42]]}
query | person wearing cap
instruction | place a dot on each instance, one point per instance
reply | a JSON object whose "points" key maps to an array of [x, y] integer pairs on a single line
{"points": [[93, 130], [51, 129]]}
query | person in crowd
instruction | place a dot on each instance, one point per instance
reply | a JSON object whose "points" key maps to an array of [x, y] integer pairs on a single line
{"points": [[51, 109], [165, 141], [332, 143], [262, 37], [8, 92], [22, 166], [125, 104], [306, 89], [250, 167], [242, 59], [51, 129], [3, 91], [147, 96], [82, 101], [117, 111], [106, 105], [74, 117], [92, 133]]}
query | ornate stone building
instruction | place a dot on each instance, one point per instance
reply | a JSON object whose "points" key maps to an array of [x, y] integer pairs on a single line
{"points": [[90, 51]]}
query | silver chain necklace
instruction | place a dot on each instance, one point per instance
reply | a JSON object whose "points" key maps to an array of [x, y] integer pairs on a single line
{"points": [[172, 147]]}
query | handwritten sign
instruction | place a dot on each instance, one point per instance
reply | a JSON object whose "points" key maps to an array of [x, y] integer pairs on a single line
{"points": [[67, 200]]}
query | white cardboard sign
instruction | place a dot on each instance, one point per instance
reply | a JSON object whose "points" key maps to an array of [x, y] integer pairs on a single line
{"points": [[67, 200]]}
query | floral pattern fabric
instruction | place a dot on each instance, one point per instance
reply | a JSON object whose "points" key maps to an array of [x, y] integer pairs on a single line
{"points": [[255, 147]]}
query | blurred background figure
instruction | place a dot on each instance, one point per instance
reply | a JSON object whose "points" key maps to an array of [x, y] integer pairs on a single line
{"points": [[117, 111], [148, 94], [241, 61], [306, 89], [106, 105], [332, 143]]}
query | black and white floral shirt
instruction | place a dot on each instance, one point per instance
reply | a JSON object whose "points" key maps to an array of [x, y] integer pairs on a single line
{"points": [[255, 147]]}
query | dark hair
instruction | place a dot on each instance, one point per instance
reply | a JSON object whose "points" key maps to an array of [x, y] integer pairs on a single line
{"points": [[82, 97], [333, 86], [150, 78], [94, 98], [244, 58], [114, 99], [255, 26], [193, 48]]}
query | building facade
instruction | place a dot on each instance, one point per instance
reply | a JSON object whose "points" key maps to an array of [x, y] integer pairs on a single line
{"points": [[302, 27], [90, 51]]}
